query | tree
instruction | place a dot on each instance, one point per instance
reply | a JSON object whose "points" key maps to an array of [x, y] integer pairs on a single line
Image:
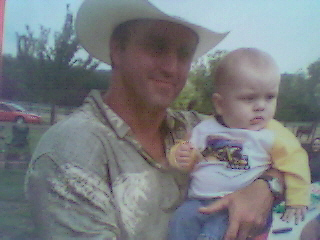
{"points": [[299, 93], [12, 78], [53, 73], [291, 99], [199, 87], [314, 82]]}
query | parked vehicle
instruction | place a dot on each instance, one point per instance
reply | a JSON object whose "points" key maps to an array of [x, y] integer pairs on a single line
{"points": [[10, 112]]}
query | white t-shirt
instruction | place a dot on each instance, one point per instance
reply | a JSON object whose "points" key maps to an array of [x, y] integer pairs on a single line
{"points": [[233, 158]]}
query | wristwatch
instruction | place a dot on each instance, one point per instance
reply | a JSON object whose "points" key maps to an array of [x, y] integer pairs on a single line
{"points": [[275, 186]]}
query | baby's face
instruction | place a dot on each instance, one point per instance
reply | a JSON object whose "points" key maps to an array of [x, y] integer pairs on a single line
{"points": [[250, 101]]}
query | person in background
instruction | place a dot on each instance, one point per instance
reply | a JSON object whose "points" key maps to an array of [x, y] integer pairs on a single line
{"points": [[231, 150], [313, 150], [103, 173]]}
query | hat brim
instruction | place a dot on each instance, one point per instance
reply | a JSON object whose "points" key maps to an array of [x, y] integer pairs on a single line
{"points": [[96, 20]]}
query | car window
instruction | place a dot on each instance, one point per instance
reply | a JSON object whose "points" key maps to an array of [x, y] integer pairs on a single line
{"points": [[4, 108], [18, 108]]}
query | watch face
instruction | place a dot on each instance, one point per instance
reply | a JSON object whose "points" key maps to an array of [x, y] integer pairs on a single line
{"points": [[276, 186]]}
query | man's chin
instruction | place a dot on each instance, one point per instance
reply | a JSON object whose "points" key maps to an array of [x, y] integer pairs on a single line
{"points": [[158, 106], [162, 101]]}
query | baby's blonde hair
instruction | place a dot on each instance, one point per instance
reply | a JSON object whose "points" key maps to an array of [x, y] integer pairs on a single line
{"points": [[229, 67]]}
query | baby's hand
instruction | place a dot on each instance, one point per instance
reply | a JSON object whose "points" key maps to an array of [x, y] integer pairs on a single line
{"points": [[185, 156], [298, 212]]}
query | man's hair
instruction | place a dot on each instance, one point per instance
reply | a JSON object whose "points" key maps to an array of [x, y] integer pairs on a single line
{"points": [[122, 32]]}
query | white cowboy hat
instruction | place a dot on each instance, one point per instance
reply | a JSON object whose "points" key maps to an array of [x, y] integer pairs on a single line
{"points": [[96, 20]]}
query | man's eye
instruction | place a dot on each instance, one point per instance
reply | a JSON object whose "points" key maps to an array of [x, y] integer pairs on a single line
{"points": [[157, 47], [185, 53]]}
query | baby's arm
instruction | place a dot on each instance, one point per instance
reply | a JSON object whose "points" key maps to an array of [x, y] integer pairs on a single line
{"points": [[296, 212], [183, 156], [290, 157]]}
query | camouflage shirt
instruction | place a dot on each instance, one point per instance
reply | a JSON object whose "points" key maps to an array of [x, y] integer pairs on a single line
{"points": [[90, 179]]}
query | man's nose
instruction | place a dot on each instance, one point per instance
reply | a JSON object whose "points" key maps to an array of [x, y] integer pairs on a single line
{"points": [[169, 63]]}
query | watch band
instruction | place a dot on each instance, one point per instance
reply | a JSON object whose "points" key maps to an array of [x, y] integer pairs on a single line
{"points": [[275, 186]]}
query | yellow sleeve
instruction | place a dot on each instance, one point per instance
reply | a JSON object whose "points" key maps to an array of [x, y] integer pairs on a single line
{"points": [[289, 157]]}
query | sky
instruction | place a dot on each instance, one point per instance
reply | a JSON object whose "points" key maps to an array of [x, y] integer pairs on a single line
{"points": [[289, 30]]}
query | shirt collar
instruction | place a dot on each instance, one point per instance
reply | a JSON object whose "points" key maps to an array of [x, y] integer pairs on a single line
{"points": [[111, 118]]}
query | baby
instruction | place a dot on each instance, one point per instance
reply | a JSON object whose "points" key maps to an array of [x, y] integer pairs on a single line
{"points": [[229, 151]]}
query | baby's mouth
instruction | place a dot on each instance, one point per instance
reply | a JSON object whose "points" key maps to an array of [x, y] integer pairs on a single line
{"points": [[256, 120]]}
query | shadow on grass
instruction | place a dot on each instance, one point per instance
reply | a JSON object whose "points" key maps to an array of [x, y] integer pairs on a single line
{"points": [[15, 217]]}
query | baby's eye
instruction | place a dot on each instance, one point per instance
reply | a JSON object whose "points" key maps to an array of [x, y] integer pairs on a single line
{"points": [[270, 96], [247, 98]]}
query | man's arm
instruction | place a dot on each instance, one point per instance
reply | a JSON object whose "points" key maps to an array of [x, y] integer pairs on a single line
{"points": [[248, 208]]}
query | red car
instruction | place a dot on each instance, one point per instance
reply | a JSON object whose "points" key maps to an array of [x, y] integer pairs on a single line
{"points": [[10, 112]]}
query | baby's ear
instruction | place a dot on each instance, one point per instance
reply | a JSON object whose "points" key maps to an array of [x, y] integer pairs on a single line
{"points": [[217, 102]]}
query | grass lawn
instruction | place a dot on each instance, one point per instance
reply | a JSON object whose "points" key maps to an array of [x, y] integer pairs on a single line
{"points": [[15, 217], [11, 185]]}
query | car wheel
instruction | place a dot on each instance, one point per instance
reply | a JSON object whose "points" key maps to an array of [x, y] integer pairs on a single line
{"points": [[20, 120]]}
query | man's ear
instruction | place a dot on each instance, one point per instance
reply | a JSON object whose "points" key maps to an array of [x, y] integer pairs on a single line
{"points": [[115, 50], [217, 100]]}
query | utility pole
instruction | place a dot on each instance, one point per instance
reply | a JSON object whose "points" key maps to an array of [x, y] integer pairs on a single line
{"points": [[2, 11]]}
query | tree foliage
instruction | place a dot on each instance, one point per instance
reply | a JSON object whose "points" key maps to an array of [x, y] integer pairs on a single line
{"points": [[50, 70], [199, 87], [299, 94]]}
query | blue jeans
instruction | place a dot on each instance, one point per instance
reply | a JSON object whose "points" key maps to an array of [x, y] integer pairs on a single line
{"points": [[188, 223]]}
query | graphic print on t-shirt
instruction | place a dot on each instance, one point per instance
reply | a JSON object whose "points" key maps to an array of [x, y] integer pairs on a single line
{"points": [[227, 150]]}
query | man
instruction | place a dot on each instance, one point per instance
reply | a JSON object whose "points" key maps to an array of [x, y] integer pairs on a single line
{"points": [[103, 172]]}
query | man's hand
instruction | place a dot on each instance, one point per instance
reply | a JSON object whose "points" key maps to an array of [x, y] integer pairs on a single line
{"points": [[248, 210]]}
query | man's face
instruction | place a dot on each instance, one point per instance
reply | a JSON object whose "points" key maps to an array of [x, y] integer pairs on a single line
{"points": [[154, 64]]}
